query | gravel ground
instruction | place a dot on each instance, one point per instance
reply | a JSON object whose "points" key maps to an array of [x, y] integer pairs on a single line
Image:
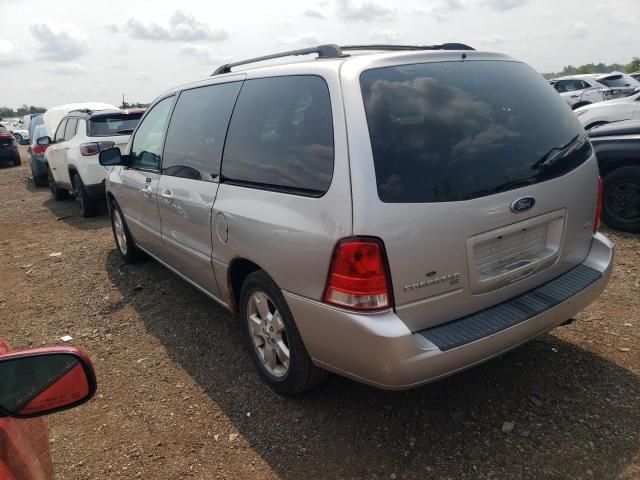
{"points": [[178, 396]]}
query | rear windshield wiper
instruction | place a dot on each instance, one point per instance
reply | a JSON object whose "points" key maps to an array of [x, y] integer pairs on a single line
{"points": [[557, 153]]}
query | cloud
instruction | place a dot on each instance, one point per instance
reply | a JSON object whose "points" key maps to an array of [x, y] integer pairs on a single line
{"points": [[314, 13], [578, 30], [58, 42], [66, 69], [364, 10], [300, 41], [441, 10], [182, 26], [494, 39], [386, 36], [203, 53], [142, 76], [118, 65], [8, 53], [503, 5]]}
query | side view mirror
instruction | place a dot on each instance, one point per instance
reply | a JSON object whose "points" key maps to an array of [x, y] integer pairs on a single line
{"points": [[43, 381], [43, 141], [111, 157]]}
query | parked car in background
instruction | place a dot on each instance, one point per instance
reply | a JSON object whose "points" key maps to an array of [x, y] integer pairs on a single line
{"points": [[54, 115], [621, 84], [617, 110], [36, 119], [394, 217], [8, 147], [37, 161], [20, 134], [34, 383], [617, 146], [72, 156], [581, 90], [635, 75]]}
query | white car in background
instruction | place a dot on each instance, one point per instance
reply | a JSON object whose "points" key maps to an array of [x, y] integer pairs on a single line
{"points": [[621, 84], [72, 154], [581, 90], [617, 110]]}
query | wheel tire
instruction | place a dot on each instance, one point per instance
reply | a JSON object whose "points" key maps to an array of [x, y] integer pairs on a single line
{"points": [[57, 192], [89, 207], [18, 138], [122, 236], [38, 181], [622, 182], [17, 161], [300, 373]]}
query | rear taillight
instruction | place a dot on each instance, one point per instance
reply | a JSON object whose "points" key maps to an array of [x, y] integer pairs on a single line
{"points": [[358, 278], [94, 148], [38, 150], [598, 219]]}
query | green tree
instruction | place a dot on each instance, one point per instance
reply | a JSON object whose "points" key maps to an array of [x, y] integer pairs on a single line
{"points": [[634, 66]]}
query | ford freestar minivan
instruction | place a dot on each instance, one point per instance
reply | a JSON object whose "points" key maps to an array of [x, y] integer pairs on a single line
{"points": [[393, 214]]}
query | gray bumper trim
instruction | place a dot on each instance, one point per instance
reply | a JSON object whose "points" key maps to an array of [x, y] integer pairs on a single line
{"points": [[519, 309]]}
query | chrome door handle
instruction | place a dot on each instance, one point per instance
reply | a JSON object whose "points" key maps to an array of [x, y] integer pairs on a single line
{"points": [[167, 195]]}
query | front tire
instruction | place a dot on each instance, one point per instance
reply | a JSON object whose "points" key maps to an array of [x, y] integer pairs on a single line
{"points": [[57, 192], [18, 138], [89, 207], [621, 199], [124, 241], [273, 340]]}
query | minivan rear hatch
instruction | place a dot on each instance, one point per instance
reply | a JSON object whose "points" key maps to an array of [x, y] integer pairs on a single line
{"points": [[483, 182]]}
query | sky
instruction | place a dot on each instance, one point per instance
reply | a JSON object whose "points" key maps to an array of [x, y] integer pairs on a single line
{"points": [[75, 51]]}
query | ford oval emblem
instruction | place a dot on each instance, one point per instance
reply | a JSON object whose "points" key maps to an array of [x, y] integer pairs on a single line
{"points": [[522, 204]]}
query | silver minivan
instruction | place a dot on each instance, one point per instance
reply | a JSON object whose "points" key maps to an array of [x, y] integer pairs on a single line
{"points": [[393, 214]]}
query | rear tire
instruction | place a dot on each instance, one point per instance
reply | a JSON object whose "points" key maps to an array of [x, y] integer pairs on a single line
{"points": [[124, 241], [273, 340], [89, 207], [621, 199], [17, 161], [38, 181], [57, 192]]}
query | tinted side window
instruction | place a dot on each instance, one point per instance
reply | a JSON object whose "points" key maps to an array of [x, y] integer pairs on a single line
{"points": [[147, 144], [281, 136], [196, 132], [60, 131], [70, 130]]}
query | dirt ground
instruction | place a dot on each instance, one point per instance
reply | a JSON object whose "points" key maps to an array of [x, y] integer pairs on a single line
{"points": [[178, 396]]}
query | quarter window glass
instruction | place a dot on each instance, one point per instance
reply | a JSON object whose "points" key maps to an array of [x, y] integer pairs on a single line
{"points": [[147, 144], [70, 130], [196, 132], [60, 131], [281, 136]]}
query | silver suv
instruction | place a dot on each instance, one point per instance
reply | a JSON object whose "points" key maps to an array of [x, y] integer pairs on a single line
{"points": [[391, 214]]}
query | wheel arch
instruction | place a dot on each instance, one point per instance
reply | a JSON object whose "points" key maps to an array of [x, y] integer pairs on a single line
{"points": [[237, 272]]}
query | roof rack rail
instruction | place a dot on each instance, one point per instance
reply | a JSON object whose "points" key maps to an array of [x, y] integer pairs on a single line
{"points": [[323, 51], [444, 46], [335, 51]]}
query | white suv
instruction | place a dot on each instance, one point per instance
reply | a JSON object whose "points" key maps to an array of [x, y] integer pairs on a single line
{"points": [[581, 90], [72, 158]]}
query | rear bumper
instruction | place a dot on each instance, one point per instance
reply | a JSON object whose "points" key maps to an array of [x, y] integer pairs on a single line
{"points": [[380, 350], [9, 151]]}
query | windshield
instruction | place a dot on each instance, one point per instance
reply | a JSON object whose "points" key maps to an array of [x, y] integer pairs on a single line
{"points": [[451, 131], [116, 124]]}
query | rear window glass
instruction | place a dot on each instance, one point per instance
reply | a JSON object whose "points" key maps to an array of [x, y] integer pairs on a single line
{"points": [[113, 125], [452, 131], [619, 81], [281, 136]]}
